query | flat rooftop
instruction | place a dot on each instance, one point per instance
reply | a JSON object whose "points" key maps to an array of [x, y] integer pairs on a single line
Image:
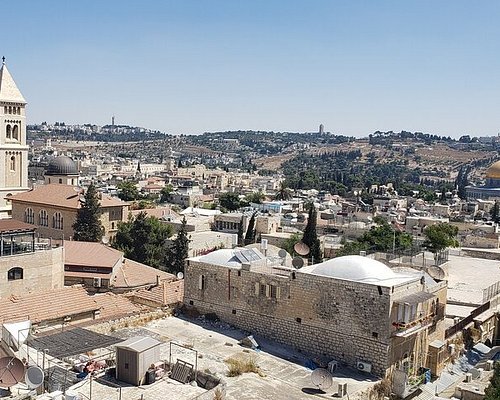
{"points": [[468, 276]]}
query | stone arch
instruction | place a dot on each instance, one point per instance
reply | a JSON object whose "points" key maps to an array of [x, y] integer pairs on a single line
{"points": [[8, 131]]}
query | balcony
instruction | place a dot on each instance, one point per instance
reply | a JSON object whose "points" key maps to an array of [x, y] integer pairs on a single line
{"points": [[408, 329]]}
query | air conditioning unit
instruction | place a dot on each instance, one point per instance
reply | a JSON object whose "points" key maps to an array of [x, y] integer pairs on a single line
{"points": [[97, 282], [363, 366]]}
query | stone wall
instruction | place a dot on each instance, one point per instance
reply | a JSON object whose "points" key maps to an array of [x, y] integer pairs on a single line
{"points": [[42, 270], [343, 320]]}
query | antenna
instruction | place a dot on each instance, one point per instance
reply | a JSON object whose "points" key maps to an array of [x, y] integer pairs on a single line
{"points": [[11, 371], [180, 275], [321, 378], [298, 262], [301, 248], [34, 376]]}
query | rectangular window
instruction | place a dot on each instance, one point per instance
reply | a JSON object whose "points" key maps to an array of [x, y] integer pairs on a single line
{"points": [[201, 282]]}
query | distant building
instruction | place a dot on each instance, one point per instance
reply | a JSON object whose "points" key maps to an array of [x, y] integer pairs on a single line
{"points": [[492, 188], [352, 309], [321, 129], [53, 208], [13, 147]]}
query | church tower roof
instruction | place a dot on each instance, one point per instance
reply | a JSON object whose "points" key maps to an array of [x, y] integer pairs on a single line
{"points": [[8, 88]]}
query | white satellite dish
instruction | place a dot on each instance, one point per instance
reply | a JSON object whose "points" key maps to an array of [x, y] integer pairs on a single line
{"points": [[180, 275], [475, 373], [298, 262], [105, 240], [282, 253], [436, 273], [321, 378], [34, 377]]}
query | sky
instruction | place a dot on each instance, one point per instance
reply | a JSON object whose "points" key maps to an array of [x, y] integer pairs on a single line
{"points": [[194, 66]]}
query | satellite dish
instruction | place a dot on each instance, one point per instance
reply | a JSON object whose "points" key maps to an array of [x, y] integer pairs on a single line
{"points": [[436, 273], [301, 248], [105, 240], [321, 378], [475, 373], [34, 377], [282, 253], [180, 275], [298, 262], [11, 371]]}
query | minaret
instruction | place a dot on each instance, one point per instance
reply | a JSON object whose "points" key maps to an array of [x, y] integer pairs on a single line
{"points": [[13, 148]]}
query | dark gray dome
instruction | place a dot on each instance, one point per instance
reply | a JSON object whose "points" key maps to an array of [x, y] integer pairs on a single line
{"points": [[62, 165]]}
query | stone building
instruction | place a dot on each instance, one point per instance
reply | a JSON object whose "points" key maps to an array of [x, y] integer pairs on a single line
{"points": [[13, 148], [24, 267], [351, 309], [53, 208]]}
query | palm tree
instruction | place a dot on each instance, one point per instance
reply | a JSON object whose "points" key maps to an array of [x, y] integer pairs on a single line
{"points": [[283, 193]]}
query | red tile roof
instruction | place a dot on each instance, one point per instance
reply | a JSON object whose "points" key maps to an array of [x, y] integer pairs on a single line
{"points": [[132, 274], [90, 254], [63, 196], [12, 225], [168, 293], [48, 305]]}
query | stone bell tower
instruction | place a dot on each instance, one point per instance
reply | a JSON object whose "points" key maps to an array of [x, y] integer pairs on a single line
{"points": [[13, 148]]}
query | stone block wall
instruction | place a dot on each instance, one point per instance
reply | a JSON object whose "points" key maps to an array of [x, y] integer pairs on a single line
{"points": [[342, 320]]}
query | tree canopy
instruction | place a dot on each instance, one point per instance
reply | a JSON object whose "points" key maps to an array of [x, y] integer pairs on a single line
{"points": [[440, 236], [310, 237], [493, 391], [230, 201], [142, 238], [127, 191], [178, 250], [88, 226], [382, 237]]}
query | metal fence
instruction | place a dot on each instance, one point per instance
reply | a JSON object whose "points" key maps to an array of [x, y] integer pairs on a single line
{"points": [[491, 291], [452, 330]]}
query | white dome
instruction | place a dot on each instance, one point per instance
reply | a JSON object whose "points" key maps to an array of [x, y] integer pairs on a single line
{"points": [[353, 268]]}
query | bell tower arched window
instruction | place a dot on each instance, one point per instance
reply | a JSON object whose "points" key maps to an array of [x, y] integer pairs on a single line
{"points": [[8, 131], [15, 132]]}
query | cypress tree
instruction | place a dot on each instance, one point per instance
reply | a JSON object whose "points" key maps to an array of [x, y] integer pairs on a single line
{"points": [[250, 235], [311, 237], [88, 226], [178, 251]]}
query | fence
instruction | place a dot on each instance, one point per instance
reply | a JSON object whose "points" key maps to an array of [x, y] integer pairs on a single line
{"points": [[452, 330], [491, 291]]}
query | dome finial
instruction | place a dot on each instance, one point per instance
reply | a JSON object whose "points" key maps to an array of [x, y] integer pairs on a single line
{"points": [[3, 60]]}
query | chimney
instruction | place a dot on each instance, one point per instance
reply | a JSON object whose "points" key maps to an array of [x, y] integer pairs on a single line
{"points": [[164, 293], [157, 280]]}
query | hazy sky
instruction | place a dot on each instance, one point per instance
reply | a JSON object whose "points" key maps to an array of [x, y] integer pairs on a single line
{"points": [[190, 66]]}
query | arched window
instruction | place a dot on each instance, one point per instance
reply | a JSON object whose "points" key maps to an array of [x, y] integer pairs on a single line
{"points": [[29, 216], [14, 274], [5, 110], [43, 218], [60, 180], [19, 110], [8, 131], [15, 132], [14, 110], [13, 163], [10, 110], [57, 221]]}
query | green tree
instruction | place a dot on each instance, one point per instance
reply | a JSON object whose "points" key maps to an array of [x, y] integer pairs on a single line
{"points": [[495, 212], [240, 232], [250, 234], [492, 392], [289, 244], [440, 236], [255, 197], [230, 201], [310, 237], [88, 226], [382, 237], [284, 193], [127, 191], [142, 238], [165, 193], [178, 251]]}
